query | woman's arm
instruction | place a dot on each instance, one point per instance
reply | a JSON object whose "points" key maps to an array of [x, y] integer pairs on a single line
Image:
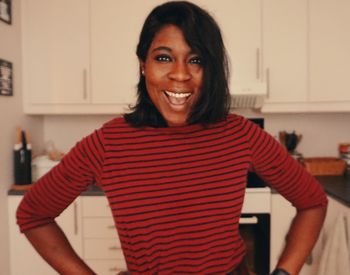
{"points": [[301, 238], [52, 244]]}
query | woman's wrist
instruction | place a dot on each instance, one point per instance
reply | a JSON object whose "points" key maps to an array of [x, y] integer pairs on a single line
{"points": [[279, 271]]}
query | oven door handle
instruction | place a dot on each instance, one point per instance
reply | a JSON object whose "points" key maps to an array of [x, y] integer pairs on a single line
{"points": [[248, 220]]}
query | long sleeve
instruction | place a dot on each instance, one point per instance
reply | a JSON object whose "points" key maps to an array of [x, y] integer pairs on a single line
{"points": [[272, 162], [52, 193]]}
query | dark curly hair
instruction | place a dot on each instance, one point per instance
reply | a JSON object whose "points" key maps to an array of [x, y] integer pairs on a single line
{"points": [[203, 35]]}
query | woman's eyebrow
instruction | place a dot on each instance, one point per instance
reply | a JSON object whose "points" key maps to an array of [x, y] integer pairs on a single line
{"points": [[165, 48], [162, 48]]}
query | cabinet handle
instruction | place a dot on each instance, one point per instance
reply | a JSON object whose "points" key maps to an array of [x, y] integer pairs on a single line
{"points": [[85, 84], [75, 218], [113, 248], [268, 83], [248, 220], [258, 63], [111, 227]]}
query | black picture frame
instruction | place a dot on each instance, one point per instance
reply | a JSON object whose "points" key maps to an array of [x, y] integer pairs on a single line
{"points": [[6, 11], [6, 78]]}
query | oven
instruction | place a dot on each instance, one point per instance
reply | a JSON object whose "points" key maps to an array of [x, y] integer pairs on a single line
{"points": [[254, 223], [254, 226]]}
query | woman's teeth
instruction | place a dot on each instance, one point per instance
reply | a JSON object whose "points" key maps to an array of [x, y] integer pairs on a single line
{"points": [[177, 98], [178, 94]]}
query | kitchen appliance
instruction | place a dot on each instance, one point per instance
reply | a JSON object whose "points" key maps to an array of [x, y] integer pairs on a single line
{"points": [[254, 223], [251, 95], [254, 226], [41, 165], [254, 181]]}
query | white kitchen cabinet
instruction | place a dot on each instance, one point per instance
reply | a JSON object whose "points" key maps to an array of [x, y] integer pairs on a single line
{"points": [[282, 214], [240, 23], [329, 52], [55, 37], [114, 36], [335, 210], [23, 258], [306, 55], [102, 248], [285, 51]]}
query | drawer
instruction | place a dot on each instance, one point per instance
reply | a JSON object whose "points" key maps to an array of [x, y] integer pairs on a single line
{"points": [[99, 228], [102, 249], [95, 206], [106, 267]]}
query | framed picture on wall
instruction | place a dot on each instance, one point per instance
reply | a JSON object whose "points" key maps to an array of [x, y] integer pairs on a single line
{"points": [[6, 78], [5, 11]]}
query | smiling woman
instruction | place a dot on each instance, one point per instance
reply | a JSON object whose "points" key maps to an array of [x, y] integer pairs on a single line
{"points": [[175, 168], [178, 59], [173, 75]]}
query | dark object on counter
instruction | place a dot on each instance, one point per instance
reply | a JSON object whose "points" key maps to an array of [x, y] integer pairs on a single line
{"points": [[290, 140], [22, 156]]}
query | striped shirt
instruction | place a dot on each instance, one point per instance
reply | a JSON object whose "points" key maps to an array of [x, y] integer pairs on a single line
{"points": [[175, 193]]}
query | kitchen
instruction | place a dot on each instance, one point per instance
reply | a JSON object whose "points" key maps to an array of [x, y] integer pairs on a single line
{"points": [[299, 97]]}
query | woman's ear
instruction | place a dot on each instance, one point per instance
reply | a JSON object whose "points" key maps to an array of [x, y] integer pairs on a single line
{"points": [[142, 67]]}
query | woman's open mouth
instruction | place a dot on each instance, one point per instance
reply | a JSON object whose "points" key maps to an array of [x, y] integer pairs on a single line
{"points": [[177, 98]]}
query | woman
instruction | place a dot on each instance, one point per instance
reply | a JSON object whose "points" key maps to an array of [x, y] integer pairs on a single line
{"points": [[174, 169]]}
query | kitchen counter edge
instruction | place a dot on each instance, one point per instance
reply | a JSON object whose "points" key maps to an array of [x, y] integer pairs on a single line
{"points": [[338, 187]]}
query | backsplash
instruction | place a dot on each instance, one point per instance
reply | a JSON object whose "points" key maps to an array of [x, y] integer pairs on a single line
{"points": [[321, 132]]}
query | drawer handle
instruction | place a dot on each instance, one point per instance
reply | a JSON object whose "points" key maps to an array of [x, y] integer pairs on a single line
{"points": [[85, 95], [75, 218], [113, 248], [258, 63]]}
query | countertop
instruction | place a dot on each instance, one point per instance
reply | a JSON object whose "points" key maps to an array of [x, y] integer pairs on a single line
{"points": [[338, 187], [91, 191]]}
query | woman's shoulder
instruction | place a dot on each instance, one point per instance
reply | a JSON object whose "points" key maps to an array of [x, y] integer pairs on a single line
{"points": [[113, 126], [236, 119], [115, 123]]}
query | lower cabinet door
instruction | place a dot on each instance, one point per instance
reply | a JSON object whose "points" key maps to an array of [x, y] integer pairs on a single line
{"points": [[102, 249], [105, 267], [23, 257]]}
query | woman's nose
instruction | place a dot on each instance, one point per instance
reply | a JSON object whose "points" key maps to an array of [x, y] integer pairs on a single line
{"points": [[180, 72]]}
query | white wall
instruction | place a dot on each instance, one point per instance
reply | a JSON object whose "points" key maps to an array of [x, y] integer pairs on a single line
{"points": [[321, 132], [11, 115]]}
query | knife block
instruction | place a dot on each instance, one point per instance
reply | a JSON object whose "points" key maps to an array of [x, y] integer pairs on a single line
{"points": [[22, 159]]}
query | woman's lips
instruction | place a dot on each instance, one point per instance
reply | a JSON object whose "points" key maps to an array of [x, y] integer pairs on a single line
{"points": [[177, 98]]}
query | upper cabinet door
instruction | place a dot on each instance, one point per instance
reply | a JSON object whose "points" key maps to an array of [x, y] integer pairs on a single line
{"points": [[329, 50], [115, 29], [240, 23], [55, 51], [285, 50]]}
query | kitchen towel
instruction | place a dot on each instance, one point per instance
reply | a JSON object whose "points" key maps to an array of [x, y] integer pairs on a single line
{"points": [[335, 258]]}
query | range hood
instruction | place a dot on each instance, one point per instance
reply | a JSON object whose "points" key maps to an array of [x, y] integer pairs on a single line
{"points": [[250, 96]]}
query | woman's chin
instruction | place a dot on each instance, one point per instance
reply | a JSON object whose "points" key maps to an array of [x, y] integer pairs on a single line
{"points": [[176, 122]]}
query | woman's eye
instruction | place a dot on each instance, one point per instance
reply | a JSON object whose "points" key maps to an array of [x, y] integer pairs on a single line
{"points": [[162, 58], [196, 60]]}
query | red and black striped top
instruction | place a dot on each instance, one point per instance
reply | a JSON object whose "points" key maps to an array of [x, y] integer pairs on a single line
{"points": [[175, 193]]}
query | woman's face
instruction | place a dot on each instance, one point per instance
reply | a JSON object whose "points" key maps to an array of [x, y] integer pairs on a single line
{"points": [[173, 74]]}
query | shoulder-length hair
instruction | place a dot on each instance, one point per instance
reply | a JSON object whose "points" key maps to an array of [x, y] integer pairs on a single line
{"points": [[203, 35]]}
